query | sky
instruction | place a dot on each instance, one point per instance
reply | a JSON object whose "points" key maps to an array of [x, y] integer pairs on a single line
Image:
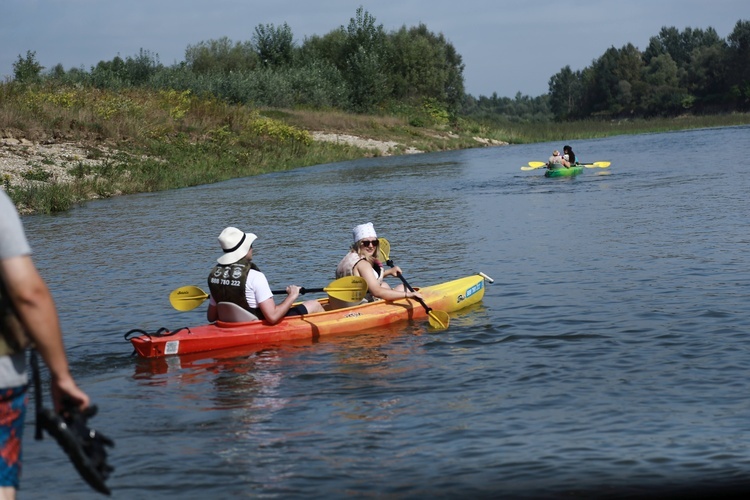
{"points": [[507, 46]]}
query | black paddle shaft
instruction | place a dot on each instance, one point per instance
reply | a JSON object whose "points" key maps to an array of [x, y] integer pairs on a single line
{"points": [[408, 286], [302, 291]]}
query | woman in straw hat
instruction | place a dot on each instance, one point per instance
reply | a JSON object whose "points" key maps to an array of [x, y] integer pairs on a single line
{"points": [[362, 261], [237, 279]]}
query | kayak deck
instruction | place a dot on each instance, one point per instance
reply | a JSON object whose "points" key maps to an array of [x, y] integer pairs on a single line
{"points": [[564, 172], [449, 297]]}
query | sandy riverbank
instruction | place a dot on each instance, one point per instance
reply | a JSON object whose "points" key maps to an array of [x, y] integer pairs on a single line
{"points": [[22, 159]]}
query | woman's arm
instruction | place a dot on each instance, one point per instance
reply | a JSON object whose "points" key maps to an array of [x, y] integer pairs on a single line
{"points": [[365, 271]]}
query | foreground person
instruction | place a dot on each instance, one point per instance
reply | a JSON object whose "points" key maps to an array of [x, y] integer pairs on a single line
{"points": [[27, 311]]}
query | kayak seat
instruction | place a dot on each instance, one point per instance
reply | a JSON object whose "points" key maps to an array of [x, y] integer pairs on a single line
{"points": [[232, 313]]}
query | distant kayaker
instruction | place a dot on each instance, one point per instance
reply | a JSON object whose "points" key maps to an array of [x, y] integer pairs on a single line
{"points": [[362, 261], [557, 161], [569, 155], [238, 280]]}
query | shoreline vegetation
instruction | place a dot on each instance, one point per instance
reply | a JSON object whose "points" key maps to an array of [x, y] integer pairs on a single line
{"points": [[61, 146]]}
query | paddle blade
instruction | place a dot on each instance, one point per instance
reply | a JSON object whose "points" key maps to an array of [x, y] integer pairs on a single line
{"points": [[347, 289], [187, 298], [439, 320], [599, 164], [384, 250], [537, 164]]}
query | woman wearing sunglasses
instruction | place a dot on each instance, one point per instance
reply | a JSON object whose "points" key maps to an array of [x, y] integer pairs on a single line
{"points": [[362, 260]]}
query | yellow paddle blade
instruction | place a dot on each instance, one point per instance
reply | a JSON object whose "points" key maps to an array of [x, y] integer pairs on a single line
{"points": [[187, 298], [384, 250], [439, 320], [600, 164], [348, 289]]}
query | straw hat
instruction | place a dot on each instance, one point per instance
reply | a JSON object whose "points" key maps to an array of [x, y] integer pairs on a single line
{"points": [[235, 244]]}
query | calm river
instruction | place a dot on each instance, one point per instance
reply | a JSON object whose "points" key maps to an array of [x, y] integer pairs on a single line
{"points": [[610, 357]]}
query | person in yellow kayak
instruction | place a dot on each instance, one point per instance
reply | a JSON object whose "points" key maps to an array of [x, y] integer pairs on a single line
{"points": [[557, 161], [236, 279], [362, 260]]}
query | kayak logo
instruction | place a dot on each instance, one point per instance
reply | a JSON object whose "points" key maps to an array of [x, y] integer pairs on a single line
{"points": [[471, 291]]}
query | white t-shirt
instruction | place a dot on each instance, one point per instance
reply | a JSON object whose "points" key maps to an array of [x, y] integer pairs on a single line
{"points": [[256, 288], [12, 238]]}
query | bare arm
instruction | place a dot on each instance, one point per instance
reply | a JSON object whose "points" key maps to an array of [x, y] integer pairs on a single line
{"points": [[365, 271], [273, 312], [36, 310]]}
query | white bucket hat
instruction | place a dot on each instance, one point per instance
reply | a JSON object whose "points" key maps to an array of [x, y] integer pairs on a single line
{"points": [[235, 244], [364, 231]]}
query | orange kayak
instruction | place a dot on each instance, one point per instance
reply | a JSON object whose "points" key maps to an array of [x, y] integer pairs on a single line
{"points": [[449, 297]]}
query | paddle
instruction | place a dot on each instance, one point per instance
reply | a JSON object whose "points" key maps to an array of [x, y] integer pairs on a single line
{"points": [[600, 164], [439, 320], [533, 165], [348, 289]]}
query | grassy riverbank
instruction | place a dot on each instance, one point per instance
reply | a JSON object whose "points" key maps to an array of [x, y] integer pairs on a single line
{"points": [[145, 141]]}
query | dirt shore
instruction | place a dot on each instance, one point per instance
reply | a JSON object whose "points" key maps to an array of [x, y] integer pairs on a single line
{"points": [[20, 157]]}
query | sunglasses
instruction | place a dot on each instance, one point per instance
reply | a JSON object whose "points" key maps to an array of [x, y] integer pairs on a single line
{"points": [[369, 243]]}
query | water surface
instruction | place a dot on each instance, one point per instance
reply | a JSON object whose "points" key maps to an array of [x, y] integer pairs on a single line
{"points": [[610, 357]]}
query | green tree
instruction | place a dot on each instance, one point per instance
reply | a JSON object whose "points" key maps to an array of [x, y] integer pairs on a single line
{"points": [[369, 85], [425, 65], [603, 88], [365, 69], [330, 48], [630, 85], [738, 58], [28, 69], [707, 74], [274, 45], [664, 94], [565, 93], [221, 56]]}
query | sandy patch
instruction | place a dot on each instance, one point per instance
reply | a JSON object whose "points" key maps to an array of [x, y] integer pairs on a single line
{"points": [[21, 158], [384, 148]]}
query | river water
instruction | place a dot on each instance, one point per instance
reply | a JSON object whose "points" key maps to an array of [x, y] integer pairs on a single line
{"points": [[609, 358]]}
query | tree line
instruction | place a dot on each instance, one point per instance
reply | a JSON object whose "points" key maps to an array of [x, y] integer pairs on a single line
{"points": [[693, 70], [362, 68], [359, 67]]}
